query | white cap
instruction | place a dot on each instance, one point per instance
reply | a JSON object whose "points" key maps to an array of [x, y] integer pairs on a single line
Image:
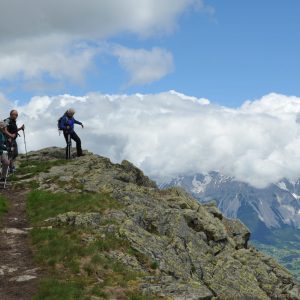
{"points": [[71, 111]]}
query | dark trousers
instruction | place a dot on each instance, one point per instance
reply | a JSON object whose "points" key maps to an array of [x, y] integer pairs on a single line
{"points": [[77, 140], [12, 151]]}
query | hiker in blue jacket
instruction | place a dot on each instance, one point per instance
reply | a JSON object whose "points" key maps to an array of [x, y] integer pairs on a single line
{"points": [[66, 123]]}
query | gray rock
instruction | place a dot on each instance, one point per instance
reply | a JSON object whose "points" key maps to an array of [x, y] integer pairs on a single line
{"points": [[23, 278], [77, 219], [199, 253]]}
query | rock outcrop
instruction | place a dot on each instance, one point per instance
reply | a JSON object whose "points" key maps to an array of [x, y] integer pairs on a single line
{"points": [[199, 253]]}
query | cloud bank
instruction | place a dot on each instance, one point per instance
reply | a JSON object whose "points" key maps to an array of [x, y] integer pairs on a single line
{"points": [[170, 133], [61, 38]]}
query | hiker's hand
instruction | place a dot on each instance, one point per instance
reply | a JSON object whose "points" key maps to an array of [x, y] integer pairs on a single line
{"points": [[82, 126], [23, 127]]}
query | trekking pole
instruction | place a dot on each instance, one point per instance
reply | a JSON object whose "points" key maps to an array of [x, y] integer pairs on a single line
{"points": [[69, 146], [25, 144]]}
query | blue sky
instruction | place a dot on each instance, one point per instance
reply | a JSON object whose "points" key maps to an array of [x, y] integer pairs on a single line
{"points": [[74, 53], [228, 52]]}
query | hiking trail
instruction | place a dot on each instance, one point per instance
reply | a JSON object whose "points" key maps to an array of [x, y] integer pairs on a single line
{"points": [[18, 274]]}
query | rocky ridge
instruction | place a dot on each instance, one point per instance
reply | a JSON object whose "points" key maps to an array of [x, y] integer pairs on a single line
{"points": [[263, 210], [199, 253]]}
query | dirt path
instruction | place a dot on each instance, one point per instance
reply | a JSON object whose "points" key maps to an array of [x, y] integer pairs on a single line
{"points": [[18, 274]]}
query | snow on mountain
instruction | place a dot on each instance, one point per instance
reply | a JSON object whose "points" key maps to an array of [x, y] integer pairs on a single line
{"points": [[276, 206]]}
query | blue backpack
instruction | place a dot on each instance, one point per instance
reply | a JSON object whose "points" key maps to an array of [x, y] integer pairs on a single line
{"points": [[59, 122]]}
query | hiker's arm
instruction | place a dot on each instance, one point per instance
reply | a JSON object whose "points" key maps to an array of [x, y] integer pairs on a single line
{"points": [[21, 128], [79, 123], [11, 135]]}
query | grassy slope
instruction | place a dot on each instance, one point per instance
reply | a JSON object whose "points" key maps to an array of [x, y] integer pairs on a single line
{"points": [[76, 258]]}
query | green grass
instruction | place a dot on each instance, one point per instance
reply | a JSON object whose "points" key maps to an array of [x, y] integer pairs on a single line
{"points": [[140, 296], [3, 206], [53, 289], [43, 205], [33, 167], [29, 169], [74, 265], [57, 246], [78, 265]]}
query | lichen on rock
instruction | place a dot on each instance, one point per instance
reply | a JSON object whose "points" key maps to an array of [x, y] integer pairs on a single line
{"points": [[199, 253]]}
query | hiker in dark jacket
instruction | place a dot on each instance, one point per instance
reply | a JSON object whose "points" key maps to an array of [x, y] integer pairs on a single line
{"points": [[66, 124], [3, 152], [11, 132]]}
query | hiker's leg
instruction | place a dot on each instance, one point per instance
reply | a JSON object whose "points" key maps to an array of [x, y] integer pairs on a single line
{"points": [[5, 165], [76, 138], [10, 148], [66, 138], [13, 155], [16, 151]]}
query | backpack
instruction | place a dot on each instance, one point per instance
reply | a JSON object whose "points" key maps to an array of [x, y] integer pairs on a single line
{"points": [[59, 121], [11, 125]]}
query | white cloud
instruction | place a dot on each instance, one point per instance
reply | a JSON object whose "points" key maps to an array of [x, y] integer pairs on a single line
{"points": [[144, 66], [90, 18], [43, 37], [169, 133], [5, 105], [56, 55]]}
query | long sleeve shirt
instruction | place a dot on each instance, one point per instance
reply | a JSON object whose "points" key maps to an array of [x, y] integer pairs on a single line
{"points": [[67, 123]]}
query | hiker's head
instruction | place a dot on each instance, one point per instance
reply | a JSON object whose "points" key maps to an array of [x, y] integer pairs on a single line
{"points": [[70, 112], [13, 114], [2, 126]]}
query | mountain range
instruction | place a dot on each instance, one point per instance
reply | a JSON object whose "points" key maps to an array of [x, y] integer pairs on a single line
{"points": [[262, 210]]}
